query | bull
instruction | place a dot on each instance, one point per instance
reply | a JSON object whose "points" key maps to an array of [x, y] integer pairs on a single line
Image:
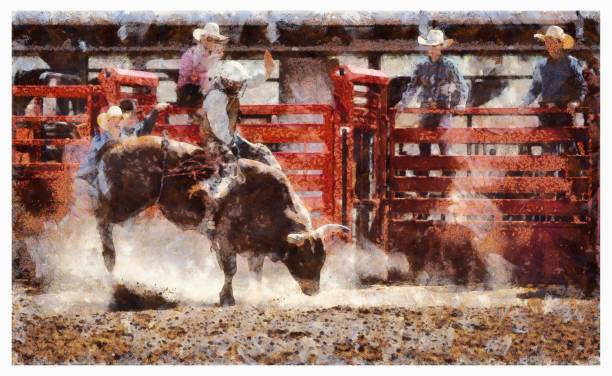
{"points": [[261, 215]]}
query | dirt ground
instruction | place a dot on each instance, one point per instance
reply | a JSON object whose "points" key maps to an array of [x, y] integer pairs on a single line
{"points": [[448, 326]]}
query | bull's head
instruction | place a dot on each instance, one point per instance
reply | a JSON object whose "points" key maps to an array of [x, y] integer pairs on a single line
{"points": [[306, 254]]}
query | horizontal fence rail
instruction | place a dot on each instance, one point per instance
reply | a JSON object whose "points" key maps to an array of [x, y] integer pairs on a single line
{"points": [[489, 135]]}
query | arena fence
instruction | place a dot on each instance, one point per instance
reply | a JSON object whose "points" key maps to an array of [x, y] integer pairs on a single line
{"points": [[508, 201], [354, 164]]}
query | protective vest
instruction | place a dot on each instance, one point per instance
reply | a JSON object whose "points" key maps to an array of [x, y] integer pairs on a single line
{"points": [[232, 108]]}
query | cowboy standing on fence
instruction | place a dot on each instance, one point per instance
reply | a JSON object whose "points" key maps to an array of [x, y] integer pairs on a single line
{"points": [[116, 125], [559, 81], [441, 87], [197, 62]]}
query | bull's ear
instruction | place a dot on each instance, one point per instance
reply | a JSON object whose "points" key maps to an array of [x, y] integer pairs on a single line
{"points": [[297, 238]]}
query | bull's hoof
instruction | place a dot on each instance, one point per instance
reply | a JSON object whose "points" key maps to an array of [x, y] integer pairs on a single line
{"points": [[226, 301], [109, 262]]}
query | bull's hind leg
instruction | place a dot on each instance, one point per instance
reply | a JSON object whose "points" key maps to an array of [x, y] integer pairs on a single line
{"points": [[108, 247], [227, 262], [256, 266]]}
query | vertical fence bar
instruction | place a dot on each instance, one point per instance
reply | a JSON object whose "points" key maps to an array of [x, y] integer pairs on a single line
{"points": [[344, 217], [328, 169]]}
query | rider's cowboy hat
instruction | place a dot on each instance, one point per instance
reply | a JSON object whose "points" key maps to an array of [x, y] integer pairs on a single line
{"points": [[435, 37], [233, 71], [557, 33], [112, 112], [210, 30]]}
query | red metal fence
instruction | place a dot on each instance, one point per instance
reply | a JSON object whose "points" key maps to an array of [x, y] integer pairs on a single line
{"points": [[45, 186], [518, 205]]}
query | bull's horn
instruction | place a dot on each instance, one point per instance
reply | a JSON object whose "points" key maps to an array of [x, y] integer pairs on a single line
{"points": [[297, 238], [332, 227]]}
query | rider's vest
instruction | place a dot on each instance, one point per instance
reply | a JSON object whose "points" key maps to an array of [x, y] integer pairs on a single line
{"points": [[232, 108]]}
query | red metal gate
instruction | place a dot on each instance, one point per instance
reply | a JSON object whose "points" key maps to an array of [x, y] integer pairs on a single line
{"points": [[360, 97], [519, 206]]}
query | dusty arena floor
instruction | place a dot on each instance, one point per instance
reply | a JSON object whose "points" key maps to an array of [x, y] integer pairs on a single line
{"points": [[83, 315], [391, 325]]}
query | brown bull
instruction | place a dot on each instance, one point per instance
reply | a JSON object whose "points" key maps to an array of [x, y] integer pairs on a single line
{"points": [[260, 216]]}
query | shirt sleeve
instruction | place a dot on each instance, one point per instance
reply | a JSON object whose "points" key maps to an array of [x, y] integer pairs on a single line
{"points": [[536, 86], [580, 81], [215, 106], [460, 84], [185, 68], [411, 89], [146, 126]]}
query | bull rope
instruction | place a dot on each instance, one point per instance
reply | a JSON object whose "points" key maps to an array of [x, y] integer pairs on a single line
{"points": [[185, 168], [164, 146]]}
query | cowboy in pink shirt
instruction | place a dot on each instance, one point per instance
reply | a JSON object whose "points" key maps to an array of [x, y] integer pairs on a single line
{"points": [[197, 62]]}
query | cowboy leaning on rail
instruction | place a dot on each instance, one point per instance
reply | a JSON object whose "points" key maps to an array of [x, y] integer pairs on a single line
{"points": [[441, 87], [221, 110], [116, 125], [559, 81]]}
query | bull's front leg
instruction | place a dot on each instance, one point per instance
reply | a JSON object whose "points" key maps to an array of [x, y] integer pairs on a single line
{"points": [[256, 266], [108, 247], [227, 262]]}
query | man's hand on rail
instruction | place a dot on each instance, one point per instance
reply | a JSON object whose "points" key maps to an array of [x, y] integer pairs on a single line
{"points": [[571, 107]]}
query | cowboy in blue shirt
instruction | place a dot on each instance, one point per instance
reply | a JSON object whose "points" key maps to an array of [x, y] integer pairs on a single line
{"points": [[441, 86], [558, 80], [115, 125]]}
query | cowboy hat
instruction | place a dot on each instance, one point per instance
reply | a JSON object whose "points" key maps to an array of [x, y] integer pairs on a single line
{"points": [[557, 33], [112, 112], [233, 71], [210, 30], [435, 37]]}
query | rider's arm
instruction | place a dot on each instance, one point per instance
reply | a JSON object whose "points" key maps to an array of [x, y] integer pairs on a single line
{"points": [[215, 106], [256, 79]]}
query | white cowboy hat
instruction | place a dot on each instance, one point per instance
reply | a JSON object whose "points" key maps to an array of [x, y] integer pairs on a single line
{"points": [[210, 30], [435, 37], [112, 112], [233, 71], [556, 32]]}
